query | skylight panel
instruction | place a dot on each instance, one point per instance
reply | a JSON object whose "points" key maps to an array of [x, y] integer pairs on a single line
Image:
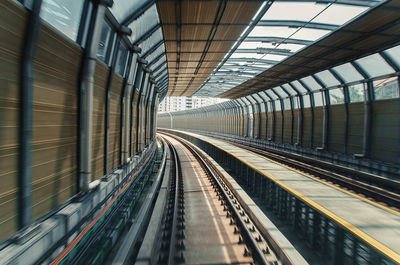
{"points": [[283, 32], [121, 9], [311, 83], [144, 23], [293, 11], [309, 34], [339, 14], [348, 72], [247, 55], [289, 89], [299, 87], [328, 78], [394, 54], [375, 65], [274, 57], [280, 92]]}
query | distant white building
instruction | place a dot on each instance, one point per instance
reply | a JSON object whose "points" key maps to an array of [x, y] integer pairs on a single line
{"points": [[170, 104]]}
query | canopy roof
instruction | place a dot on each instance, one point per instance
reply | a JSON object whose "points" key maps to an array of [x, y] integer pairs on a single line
{"points": [[235, 48], [143, 19]]}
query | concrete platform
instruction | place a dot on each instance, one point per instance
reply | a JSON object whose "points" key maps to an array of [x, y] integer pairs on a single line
{"points": [[374, 224]]}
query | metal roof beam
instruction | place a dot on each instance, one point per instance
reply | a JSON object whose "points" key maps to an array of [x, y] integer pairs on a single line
{"points": [[266, 51], [278, 40], [253, 60], [229, 66], [297, 24]]}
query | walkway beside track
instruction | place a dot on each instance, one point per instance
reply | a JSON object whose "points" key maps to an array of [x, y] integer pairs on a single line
{"points": [[377, 226]]}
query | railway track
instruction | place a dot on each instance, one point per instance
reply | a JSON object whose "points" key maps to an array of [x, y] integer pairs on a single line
{"points": [[378, 188], [223, 233]]}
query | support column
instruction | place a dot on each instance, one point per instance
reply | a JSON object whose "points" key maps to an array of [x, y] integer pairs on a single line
{"points": [[86, 90], [142, 108], [28, 52], [126, 104]]}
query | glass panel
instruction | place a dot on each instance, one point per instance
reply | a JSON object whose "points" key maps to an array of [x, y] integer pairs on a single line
{"points": [[306, 101], [270, 45], [151, 41], [310, 34], [289, 89], [63, 15], [318, 100], [123, 8], [374, 65], [386, 88], [286, 103], [296, 102], [348, 72], [278, 106], [356, 92], [336, 96], [121, 61], [293, 11], [311, 83], [394, 54], [144, 23], [299, 87], [328, 78], [280, 92], [105, 42], [283, 32], [339, 14], [271, 94]]}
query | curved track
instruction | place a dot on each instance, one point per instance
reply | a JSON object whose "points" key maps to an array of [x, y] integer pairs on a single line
{"points": [[202, 206]]}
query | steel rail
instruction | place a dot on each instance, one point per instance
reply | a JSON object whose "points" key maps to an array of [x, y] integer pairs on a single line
{"points": [[237, 211]]}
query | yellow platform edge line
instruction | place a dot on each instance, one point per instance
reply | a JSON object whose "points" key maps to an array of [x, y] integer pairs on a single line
{"points": [[329, 184], [373, 243]]}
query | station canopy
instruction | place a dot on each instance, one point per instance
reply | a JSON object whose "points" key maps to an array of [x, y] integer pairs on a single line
{"points": [[143, 19], [235, 48]]}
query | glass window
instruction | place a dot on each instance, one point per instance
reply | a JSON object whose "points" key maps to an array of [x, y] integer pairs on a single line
{"points": [[296, 103], [311, 83], [280, 92], [336, 96], [121, 61], [374, 65], [328, 78], [318, 99], [339, 14], [278, 106], [289, 89], [145, 22], [348, 72], [105, 42], [309, 34], [394, 54], [63, 15], [386, 88], [121, 9], [271, 94], [290, 11], [299, 87], [306, 101], [286, 103], [356, 92]]}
